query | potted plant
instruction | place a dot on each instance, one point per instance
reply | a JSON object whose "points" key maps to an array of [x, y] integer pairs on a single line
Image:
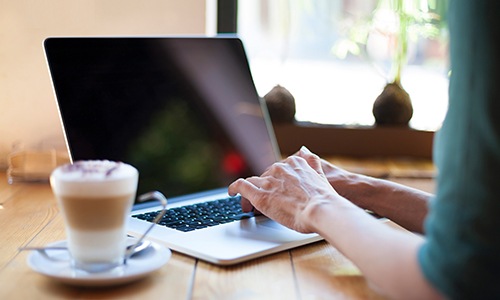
{"points": [[398, 22]]}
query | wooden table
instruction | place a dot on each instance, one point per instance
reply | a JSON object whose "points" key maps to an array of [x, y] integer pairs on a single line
{"points": [[29, 216]]}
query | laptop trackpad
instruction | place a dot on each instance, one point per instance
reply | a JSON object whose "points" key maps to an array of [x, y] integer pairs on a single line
{"points": [[264, 229]]}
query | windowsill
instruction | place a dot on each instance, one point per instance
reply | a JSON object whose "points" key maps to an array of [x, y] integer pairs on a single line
{"points": [[355, 141], [333, 92]]}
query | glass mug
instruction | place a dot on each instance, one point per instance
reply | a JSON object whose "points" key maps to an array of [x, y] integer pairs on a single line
{"points": [[95, 197]]}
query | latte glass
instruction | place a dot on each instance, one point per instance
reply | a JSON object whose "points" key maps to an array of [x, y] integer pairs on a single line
{"points": [[95, 197]]}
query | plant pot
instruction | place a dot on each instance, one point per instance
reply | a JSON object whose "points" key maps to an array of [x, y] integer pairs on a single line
{"points": [[393, 106]]}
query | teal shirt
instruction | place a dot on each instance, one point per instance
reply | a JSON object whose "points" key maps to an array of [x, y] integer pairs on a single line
{"points": [[461, 256]]}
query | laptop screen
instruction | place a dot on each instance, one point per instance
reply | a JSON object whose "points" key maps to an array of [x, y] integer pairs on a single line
{"points": [[183, 111]]}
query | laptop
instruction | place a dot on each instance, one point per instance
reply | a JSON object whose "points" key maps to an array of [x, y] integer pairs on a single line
{"points": [[185, 112]]}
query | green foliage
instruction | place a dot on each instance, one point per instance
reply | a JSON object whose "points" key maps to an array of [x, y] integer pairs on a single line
{"points": [[401, 20], [174, 157]]}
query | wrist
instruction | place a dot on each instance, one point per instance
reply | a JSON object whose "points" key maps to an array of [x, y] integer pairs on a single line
{"points": [[324, 209], [357, 188]]}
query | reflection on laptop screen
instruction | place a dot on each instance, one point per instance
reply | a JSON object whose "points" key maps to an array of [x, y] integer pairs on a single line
{"points": [[184, 111]]}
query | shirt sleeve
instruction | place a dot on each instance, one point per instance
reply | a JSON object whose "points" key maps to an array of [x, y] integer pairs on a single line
{"points": [[461, 256]]}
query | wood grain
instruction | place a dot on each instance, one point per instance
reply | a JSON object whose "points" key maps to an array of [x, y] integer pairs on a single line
{"points": [[324, 273], [270, 277]]}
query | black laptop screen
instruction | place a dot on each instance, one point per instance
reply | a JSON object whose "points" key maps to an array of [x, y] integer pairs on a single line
{"points": [[184, 111]]}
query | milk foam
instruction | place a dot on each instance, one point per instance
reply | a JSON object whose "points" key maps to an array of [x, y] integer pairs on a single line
{"points": [[94, 178]]}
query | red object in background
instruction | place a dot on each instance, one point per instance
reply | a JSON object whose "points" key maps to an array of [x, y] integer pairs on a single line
{"points": [[233, 163]]}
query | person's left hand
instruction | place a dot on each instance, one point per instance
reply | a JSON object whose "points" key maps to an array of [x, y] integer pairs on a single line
{"points": [[288, 191]]}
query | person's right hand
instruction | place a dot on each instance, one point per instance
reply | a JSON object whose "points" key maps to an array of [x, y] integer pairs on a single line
{"points": [[288, 192]]}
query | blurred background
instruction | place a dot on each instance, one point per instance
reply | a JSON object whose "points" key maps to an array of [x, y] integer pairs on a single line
{"points": [[334, 56]]}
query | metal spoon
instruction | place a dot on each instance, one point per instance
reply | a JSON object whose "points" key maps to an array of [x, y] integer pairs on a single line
{"points": [[132, 250], [151, 195]]}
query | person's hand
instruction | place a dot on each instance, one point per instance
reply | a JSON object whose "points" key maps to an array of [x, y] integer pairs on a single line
{"points": [[360, 189], [341, 180], [288, 191]]}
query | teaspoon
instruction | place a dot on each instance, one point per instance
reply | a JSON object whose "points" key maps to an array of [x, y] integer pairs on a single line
{"points": [[137, 249]]}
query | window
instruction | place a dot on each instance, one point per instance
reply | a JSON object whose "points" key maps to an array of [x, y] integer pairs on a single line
{"points": [[295, 43]]}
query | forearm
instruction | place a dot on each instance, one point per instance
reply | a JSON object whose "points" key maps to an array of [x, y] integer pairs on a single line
{"points": [[387, 257], [401, 204]]}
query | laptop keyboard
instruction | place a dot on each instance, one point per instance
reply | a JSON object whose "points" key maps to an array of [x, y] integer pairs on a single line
{"points": [[200, 215]]}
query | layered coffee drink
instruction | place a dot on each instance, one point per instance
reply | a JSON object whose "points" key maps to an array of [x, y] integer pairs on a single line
{"points": [[95, 197]]}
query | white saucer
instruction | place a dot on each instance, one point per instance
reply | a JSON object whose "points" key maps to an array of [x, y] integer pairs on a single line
{"points": [[59, 268]]}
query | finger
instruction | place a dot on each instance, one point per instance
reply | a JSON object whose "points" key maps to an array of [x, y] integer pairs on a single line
{"points": [[246, 189], [243, 187], [303, 149], [276, 168], [246, 205], [312, 159], [305, 153]]}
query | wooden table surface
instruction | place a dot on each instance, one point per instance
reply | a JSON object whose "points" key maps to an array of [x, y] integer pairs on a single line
{"points": [[29, 216]]}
